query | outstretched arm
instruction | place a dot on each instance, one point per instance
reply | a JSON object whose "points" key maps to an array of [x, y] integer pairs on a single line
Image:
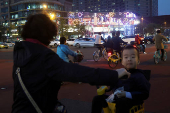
{"points": [[59, 70], [70, 52]]}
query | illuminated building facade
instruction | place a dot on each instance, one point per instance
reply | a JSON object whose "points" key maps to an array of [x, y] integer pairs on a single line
{"points": [[106, 22], [143, 8]]}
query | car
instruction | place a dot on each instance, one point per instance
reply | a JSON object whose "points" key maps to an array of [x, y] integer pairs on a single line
{"points": [[70, 41], [149, 40], [3, 45], [10, 43], [128, 39], [84, 42], [55, 43]]}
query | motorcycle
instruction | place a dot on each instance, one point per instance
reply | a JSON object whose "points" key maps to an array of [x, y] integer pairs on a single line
{"points": [[140, 47]]}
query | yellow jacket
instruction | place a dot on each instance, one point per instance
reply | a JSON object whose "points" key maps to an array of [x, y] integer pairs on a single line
{"points": [[158, 41]]}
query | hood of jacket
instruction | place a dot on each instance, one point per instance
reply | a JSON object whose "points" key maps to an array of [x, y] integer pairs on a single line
{"points": [[25, 51], [146, 73]]}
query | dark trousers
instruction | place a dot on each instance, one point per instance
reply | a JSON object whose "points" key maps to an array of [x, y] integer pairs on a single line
{"points": [[162, 51], [123, 105], [142, 48], [100, 47]]}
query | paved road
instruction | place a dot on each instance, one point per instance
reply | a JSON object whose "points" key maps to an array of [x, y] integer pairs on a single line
{"points": [[78, 97]]}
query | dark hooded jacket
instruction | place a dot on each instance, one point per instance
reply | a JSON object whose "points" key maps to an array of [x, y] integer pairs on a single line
{"points": [[138, 85], [117, 43], [42, 72]]}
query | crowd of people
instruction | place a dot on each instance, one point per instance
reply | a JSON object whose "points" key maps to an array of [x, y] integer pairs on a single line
{"points": [[43, 70]]}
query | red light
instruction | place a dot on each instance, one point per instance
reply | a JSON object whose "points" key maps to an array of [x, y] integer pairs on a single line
{"points": [[134, 46], [109, 54]]}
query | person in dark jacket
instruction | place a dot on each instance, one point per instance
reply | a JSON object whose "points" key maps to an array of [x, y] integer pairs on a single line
{"points": [[42, 70], [136, 88], [117, 42], [109, 44]]}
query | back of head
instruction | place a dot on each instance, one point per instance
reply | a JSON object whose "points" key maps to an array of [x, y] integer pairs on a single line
{"points": [[117, 33], [158, 31], [62, 40], [99, 33], [40, 27], [109, 38], [113, 34]]}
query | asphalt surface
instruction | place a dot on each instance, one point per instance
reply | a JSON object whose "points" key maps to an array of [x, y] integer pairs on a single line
{"points": [[77, 97]]}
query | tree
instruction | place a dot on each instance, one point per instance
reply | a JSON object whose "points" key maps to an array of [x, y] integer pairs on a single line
{"points": [[79, 28], [63, 27], [150, 28], [2, 33]]}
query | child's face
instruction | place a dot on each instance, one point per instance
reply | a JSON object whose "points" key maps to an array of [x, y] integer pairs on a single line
{"points": [[130, 59]]}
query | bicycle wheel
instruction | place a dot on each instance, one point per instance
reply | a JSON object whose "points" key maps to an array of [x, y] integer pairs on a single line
{"points": [[113, 61], [156, 57], [105, 55], [165, 56], [96, 56]]}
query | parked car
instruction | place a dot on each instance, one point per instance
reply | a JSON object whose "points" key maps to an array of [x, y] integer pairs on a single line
{"points": [[149, 40], [3, 45], [10, 43], [70, 41], [55, 43], [84, 42], [128, 39]]}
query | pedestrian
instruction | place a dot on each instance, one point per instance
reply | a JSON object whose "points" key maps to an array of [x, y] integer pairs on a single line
{"points": [[159, 44], [41, 70]]}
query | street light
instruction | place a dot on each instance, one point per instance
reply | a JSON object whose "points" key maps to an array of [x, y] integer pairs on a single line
{"points": [[142, 24], [44, 6], [165, 24], [52, 16]]}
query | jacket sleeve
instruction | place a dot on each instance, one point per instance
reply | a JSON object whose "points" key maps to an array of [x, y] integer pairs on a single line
{"points": [[103, 39], [163, 37], [59, 70], [121, 41], [143, 88], [70, 52]]}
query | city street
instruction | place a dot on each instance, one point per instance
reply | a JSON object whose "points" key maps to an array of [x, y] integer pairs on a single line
{"points": [[77, 97]]}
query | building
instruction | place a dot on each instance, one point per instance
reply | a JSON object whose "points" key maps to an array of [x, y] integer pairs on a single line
{"points": [[15, 12], [143, 8], [105, 22]]}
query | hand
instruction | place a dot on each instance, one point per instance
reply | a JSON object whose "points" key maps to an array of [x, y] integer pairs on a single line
{"points": [[122, 72], [121, 94]]}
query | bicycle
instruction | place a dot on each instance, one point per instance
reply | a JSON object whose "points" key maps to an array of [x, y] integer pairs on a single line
{"points": [[114, 58], [96, 55], [157, 55]]}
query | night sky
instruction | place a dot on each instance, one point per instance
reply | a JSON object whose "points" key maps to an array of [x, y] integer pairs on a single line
{"points": [[163, 7]]}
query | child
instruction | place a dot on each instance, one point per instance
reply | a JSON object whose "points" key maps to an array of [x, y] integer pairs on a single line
{"points": [[136, 87]]}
